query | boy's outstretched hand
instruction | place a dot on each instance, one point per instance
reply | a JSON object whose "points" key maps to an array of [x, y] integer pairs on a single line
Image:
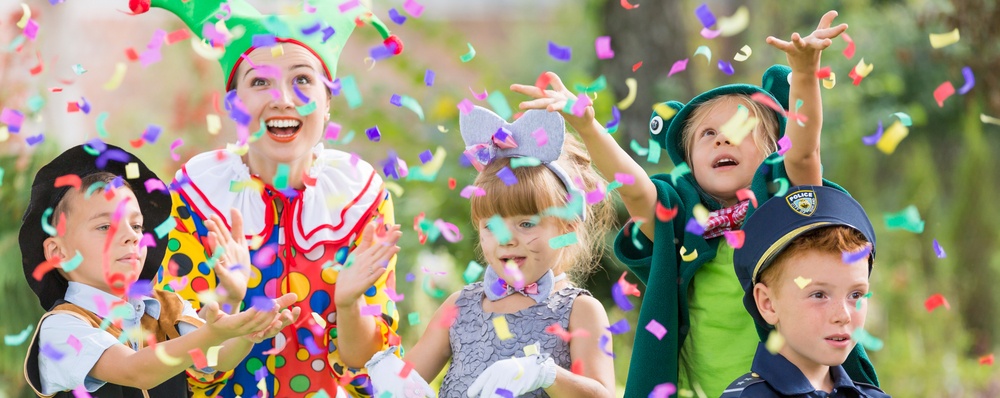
{"points": [[554, 100], [803, 53], [253, 323]]}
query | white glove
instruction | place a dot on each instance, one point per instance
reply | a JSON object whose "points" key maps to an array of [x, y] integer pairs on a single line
{"points": [[517, 375], [383, 370]]}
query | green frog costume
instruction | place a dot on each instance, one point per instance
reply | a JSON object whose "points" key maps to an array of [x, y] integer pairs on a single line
{"points": [[710, 339]]}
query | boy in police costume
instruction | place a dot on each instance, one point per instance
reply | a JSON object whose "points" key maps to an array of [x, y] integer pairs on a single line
{"points": [[804, 267]]}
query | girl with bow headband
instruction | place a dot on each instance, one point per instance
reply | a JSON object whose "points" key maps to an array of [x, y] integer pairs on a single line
{"points": [[525, 326]]}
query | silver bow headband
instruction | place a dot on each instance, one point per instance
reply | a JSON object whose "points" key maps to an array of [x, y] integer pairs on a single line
{"points": [[537, 134]]}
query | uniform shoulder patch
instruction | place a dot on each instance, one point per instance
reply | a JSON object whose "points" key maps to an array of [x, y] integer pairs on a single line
{"points": [[736, 388], [802, 201]]}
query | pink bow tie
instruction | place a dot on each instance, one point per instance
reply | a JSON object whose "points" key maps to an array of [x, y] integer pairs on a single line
{"points": [[528, 289]]}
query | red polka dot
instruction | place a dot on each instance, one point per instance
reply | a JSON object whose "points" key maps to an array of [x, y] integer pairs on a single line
{"points": [[199, 284]]}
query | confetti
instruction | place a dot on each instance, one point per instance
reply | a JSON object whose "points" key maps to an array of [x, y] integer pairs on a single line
{"points": [[679, 171], [988, 119], [726, 67], [605, 341], [396, 17], [942, 92], [744, 53], [413, 8], [704, 51], [168, 225], [499, 104], [413, 105], [830, 82], [664, 390], [907, 219], [212, 356], [49, 351], [498, 228], [775, 341], [747, 194], [619, 327], [507, 176], [938, 250], [625, 4], [688, 257], [198, 358], [371, 310], [739, 126], [735, 239], [469, 55], [351, 93], [12, 118], [656, 329], [503, 331], [632, 85], [892, 137], [970, 81], [373, 134], [939, 40], [429, 78], [162, 355], [602, 45], [849, 257], [616, 117], [562, 241], [705, 16], [18, 339], [936, 300], [678, 66], [636, 66], [471, 190], [849, 50], [560, 53], [465, 106], [664, 111], [986, 360], [557, 330], [802, 282], [736, 23], [866, 340], [874, 138], [620, 298]]}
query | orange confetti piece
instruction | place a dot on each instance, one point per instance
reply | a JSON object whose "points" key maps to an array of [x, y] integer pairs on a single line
{"points": [[636, 66], [68, 180], [448, 315], [628, 289], [405, 371], [198, 358], [935, 301], [745, 194], [131, 54], [178, 35], [577, 367], [663, 214], [542, 81], [41, 65], [986, 360], [627, 6], [45, 267], [849, 51], [942, 93], [823, 72]]}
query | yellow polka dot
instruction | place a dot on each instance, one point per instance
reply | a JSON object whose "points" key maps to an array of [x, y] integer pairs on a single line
{"points": [[310, 395], [277, 387], [270, 363], [302, 354], [298, 284], [237, 389], [330, 276], [254, 277]]}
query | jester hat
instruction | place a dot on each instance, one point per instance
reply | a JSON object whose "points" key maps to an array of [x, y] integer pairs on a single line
{"points": [[774, 84], [324, 31]]}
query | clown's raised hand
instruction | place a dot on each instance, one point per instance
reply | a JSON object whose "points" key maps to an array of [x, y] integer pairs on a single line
{"points": [[803, 53]]}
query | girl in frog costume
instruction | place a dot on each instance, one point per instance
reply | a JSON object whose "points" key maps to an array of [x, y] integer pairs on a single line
{"points": [[306, 208], [691, 286]]}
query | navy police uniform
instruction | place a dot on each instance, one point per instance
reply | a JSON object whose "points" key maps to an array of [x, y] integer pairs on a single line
{"points": [[775, 376]]}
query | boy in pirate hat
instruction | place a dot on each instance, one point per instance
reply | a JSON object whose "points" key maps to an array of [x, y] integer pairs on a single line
{"points": [[804, 268], [83, 250]]}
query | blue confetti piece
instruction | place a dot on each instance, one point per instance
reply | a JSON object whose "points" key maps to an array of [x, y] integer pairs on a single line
{"points": [[35, 140], [853, 257], [84, 105], [374, 135], [429, 78], [504, 393], [620, 299], [49, 351], [560, 53], [507, 176], [381, 52], [619, 327], [139, 289], [873, 139], [705, 16], [938, 250], [694, 227], [264, 40], [151, 134], [298, 93], [262, 303], [410, 277], [328, 33], [426, 156], [396, 100], [396, 17]]}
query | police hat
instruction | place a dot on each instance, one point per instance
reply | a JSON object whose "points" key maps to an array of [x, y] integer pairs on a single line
{"points": [[782, 219], [84, 160]]}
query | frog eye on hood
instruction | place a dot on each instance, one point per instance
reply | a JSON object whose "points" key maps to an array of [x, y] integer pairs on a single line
{"points": [[656, 125]]}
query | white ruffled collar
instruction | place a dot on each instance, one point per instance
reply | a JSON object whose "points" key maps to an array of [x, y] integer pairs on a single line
{"points": [[332, 210]]}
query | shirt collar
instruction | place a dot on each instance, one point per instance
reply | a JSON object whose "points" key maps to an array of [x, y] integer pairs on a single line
{"points": [[787, 379], [100, 302]]}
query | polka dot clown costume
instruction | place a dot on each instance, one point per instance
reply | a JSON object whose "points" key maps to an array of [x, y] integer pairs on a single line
{"points": [[298, 235]]}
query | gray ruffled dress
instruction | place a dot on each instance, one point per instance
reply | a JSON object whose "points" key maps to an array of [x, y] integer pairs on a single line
{"points": [[475, 344]]}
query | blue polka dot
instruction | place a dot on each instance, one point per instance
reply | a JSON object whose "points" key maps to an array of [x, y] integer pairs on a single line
{"points": [[341, 255], [320, 301], [303, 333], [203, 268], [371, 291]]}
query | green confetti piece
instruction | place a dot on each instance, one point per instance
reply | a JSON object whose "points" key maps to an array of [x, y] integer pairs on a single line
{"points": [[564, 240], [635, 234], [259, 133], [73, 263], [570, 103], [469, 55], [570, 212], [679, 172], [281, 177], [498, 227], [638, 149], [414, 318], [350, 90], [101, 131], [526, 161], [499, 104], [858, 304], [1, 176], [904, 118], [654, 152], [783, 187], [413, 105], [45, 222], [907, 219], [430, 290], [306, 109], [472, 272], [17, 42], [774, 160], [18, 339], [386, 394], [597, 85], [347, 138], [866, 340], [78, 69], [613, 129], [94, 187], [613, 185], [165, 227], [798, 104], [35, 103], [91, 151], [211, 261]]}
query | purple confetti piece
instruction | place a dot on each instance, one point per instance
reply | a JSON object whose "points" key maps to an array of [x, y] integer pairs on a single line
{"points": [[429, 78], [396, 17], [507, 176], [371, 310], [616, 117], [298, 93], [581, 104], [604, 342], [209, 32], [656, 329], [465, 106], [49, 351], [374, 135], [262, 303], [116, 183], [504, 393], [312, 29], [938, 250], [853, 257], [694, 227], [970, 81], [328, 33], [497, 288], [619, 327], [12, 118], [396, 99], [264, 40], [620, 298], [117, 155], [84, 105], [35, 140], [560, 53], [705, 15], [726, 67], [150, 57], [426, 156], [139, 289], [381, 51], [873, 139], [97, 145], [152, 133], [410, 277], [311, 346], [260, 373]]}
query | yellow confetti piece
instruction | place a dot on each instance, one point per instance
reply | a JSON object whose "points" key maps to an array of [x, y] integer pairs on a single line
{"points": [[863, 69], [206, 51], [212, 356], [700, 213], [802, 282], [238, 150], [162, 355], [132, 171], [530, 349], [830, 82], [939, 40], [214, 123], [395, 188], [744, 54], [982, 117], [277, 51], [442, 129], [24, 18], [688, 257], [734, 24], [664, 111], [117, 77], [892, 137], [503, 331], [430, 169], [256, 241], [319, 320], [739, 126], [775, 341], [4, 133], [630, 98]]}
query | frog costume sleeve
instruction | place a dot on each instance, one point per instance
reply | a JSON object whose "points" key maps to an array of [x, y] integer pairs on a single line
{"points": [[660, 266]]}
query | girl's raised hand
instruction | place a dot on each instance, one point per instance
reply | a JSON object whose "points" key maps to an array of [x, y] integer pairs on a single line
{"points": [[233, 265], [371, 257], [554, 100], [803, 53]]}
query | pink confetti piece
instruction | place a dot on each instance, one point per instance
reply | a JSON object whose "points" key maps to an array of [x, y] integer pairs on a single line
{"points": [[678, 66], [471, 190], [942, 93], [465, 106], [656, 329], [332, 131], [581, 104], [265, 255], [710, 34], [595, 196], [179, 284], [371, 310], [31, 29], [81, 392], [449, 231], [849, 51], [784, 144], [413, 8], [560, 53], [938, 250], [602, 45], [541, 137], [393, 295], [147, 240], [348, 5], [155, 184], [747, 194], [625, 178], [625, 4], [75, 343], [277, 349], [173, 146], [198, 358], [479, 97], [735, 239], [970, 80]]}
